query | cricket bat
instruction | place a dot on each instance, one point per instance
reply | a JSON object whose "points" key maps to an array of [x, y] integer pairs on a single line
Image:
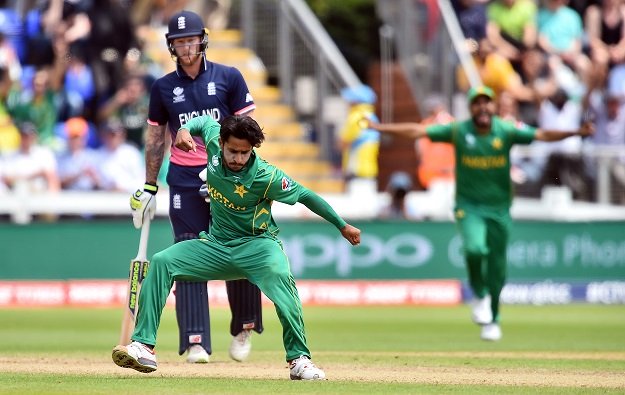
{"points": [[138, 270]]}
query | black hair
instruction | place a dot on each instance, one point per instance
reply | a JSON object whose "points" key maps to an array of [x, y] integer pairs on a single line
{"points": [[242, 127]]}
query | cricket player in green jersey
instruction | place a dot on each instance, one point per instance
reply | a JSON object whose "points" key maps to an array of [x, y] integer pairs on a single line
{"points": [[242, 242], [483, 192]]}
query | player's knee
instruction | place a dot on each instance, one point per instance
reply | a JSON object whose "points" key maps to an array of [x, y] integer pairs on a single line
{"points": [[159, 260], [474, 251]]}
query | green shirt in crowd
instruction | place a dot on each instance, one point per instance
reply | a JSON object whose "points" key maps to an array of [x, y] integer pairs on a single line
{"points": [[483, 161]]}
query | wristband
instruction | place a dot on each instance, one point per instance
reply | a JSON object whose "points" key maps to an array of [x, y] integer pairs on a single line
{"points": [[150, 188]]}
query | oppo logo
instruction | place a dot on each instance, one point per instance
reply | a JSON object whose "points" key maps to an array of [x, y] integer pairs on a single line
{"points": [[405, 250]]}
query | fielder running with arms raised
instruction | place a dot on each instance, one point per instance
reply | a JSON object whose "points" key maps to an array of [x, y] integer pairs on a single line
{"points": [[242, 241], [197, 87], [483, 192]]}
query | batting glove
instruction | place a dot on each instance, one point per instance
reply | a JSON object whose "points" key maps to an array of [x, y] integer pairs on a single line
{"points": [[143, 204]]}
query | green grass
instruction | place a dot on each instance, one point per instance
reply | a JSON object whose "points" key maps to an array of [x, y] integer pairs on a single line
{"points": [[552, 341]]}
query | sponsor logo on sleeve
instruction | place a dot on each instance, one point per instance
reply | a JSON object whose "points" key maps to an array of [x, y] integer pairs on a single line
{"points": [[286, 184]]}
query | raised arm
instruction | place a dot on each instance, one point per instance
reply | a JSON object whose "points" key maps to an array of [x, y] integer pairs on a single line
{"points": [[319, 206], [586, 129], [407, 129]]}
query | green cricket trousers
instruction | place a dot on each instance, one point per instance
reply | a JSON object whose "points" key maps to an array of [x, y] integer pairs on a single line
{"points": [[260, 259], [485, 235]]}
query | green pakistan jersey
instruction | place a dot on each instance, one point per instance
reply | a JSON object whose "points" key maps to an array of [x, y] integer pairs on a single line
{"points": [[483, 161], [241, 201]]}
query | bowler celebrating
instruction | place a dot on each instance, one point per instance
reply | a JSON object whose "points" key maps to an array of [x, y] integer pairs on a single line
{"points": [[242, 241], [483, 192]]}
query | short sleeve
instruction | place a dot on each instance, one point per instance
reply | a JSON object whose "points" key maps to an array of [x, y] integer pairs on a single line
{"points": [[157, 112]]}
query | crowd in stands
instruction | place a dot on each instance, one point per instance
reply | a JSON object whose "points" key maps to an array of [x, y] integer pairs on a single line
{"points": [[554, 64], [74, 74], [74, 88]]}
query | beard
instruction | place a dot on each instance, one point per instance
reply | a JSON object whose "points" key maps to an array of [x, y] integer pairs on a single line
{"points": [[189, 59], [482, 120]]}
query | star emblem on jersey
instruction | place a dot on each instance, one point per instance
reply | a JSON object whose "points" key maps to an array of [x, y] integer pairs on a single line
{"points": [[497, 144], [240, 190]]}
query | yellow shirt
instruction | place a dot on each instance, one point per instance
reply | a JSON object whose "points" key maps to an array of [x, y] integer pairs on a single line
{"points": [[360, 156], [9, 135]]}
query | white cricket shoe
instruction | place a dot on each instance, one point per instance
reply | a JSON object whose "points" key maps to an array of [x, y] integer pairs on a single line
{"points": [[491, 332], [135, 356], [303, 368], [241, 345], [481, 313], [197, 354]]}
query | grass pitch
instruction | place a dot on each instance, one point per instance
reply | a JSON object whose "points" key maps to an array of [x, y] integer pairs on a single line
{"points": [[573, 349]]}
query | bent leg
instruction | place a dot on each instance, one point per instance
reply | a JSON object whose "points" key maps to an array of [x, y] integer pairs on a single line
{"points": [[265, 264], [193, 260]]}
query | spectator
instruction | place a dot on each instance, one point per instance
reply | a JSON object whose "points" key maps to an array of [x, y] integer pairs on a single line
{"points": [[78, 86], [51, 20], [496, 72], [537, 74], [399, 186], [605, 28], [608, 111], [512, 27], [616, 81], [436, 161], [130, 106], [358, 143], [9, 58], [38, 104], [121, 165], [561, 163], [560, 33], [32, 168], [9, 135], [472, 18], [78, 163], [112, 37], [12, 28]]}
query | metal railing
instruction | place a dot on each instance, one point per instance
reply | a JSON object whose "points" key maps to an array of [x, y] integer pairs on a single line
{"points": [[429, 45], [300, 58]]}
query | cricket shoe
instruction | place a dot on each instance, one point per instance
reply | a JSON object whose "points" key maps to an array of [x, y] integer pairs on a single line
{"points": [[481, 313], [302, 368], [197, 354], [135, 356], [241, 345], [491, 332]]}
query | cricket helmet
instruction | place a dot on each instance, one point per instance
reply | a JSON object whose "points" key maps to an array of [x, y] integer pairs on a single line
{"points": [[185, 24]]}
